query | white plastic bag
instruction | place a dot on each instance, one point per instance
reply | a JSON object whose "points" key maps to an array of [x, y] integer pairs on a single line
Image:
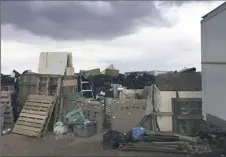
{"points": [[60, 128]]}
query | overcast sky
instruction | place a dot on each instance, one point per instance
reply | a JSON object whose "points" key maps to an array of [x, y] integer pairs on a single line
{"points": [[131, 35]]}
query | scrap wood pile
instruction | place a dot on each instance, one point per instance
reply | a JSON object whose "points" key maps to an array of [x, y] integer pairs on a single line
{"points": [[168, 143], [6, 102], [103, 81], [7, 111], [151, 141]]}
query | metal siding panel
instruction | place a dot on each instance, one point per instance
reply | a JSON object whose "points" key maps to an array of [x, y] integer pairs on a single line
{"points": [[214, 86], [213, 48], [213, 39]]}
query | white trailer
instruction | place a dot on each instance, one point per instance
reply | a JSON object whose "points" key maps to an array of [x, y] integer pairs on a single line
{"points": [[213, 49]]}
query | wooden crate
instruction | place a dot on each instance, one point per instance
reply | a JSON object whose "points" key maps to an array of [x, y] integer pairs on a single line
{"points": [[6, 98], [35, 116], [8, 114]]}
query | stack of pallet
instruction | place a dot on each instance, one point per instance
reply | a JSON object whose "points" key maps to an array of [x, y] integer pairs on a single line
{"points": [[40, 111], [50, 85], [6, 102], [35, 116], [69, 85]]}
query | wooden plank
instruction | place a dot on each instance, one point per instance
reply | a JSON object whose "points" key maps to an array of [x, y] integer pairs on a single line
{"points": [[41, 97], [8, 121], [6, 100], [5, 93], [56, 109], [39, 101], [69, 82], [8, 107], [25, 132], [8, 118], [32, 116], [27, 128], [61, 106], [8, 110], [36, 108], [35, 112], [37, 85], [7, 115], [37, 104], [31, 124], [47, 86], [6, 97], [47, 121], [58, 87], [30, 120]]}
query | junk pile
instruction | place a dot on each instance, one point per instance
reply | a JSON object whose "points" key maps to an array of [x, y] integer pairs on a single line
{"points": [[82, 127], [77, 121], [148, 136], [141, 139], [138, 81], [98, 81]]}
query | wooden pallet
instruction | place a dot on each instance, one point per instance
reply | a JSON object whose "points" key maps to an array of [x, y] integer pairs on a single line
{"points": [[6, 98], [48, 85], [8, 114], [35, 115]]}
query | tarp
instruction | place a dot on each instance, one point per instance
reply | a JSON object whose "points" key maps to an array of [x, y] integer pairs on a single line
{"points": [[153, 102]]}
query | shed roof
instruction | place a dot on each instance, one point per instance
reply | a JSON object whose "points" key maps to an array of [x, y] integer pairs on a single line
{"points": [[190, 81], [214, 12]]}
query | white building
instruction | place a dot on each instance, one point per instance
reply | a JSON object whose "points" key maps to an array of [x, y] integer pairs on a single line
{"points": [[213, 48]]}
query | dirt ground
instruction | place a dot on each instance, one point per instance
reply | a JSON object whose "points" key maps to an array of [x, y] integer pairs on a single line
{"points": [[50, 145]]}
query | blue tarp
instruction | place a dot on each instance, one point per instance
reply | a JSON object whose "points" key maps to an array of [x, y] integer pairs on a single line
{"points": [[138, 132]]}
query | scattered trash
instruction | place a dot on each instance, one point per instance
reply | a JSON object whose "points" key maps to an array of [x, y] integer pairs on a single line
{"points": [[60, 128], [75, 116], [112, 140], [6, 131], [86, 129], [138, 133]]}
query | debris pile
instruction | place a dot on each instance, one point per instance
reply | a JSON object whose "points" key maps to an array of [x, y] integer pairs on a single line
{"points": [[154, 142]]}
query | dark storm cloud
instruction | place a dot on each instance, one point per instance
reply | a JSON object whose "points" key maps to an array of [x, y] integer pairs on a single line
{"points": [[81, 20]]}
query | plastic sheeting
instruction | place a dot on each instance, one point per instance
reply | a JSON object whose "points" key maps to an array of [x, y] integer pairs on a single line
{"points": [[153, 102], [60, 128], [75, 116], [138, 133]]}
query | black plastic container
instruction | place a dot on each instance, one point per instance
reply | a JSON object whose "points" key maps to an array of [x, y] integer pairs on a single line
{"points": [[85, 130]]}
